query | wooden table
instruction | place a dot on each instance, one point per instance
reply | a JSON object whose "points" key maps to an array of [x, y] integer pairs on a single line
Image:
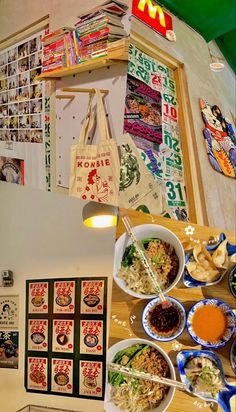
{"points": [[126, 311]]}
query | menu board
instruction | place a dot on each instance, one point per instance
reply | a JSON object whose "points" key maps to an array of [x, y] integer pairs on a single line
{"points": [[152, 119], [65, 351]]}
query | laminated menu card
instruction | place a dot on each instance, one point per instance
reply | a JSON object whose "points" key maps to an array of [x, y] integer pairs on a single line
{"points": [[62, 376], [63, 335], [37, 374], [38, 297], [90, 378], [64, 297], [91, 337], [92, 297], [38, 335]]}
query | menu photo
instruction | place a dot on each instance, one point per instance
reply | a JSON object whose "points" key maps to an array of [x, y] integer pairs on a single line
{"points": [[62, 376], [91, 337], [63, 336], [38, 335], [37, 374], [38, 297], [90, 378], [64, 297], [92, 297]]}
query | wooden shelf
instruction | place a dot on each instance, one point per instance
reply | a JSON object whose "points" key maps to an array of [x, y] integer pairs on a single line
{"points": [[112, 57]]}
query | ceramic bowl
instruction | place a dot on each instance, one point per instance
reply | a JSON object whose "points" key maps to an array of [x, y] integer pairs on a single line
{"points": [[193, 283], [232, 281], [230, 317], [233, 356], [224, 396], [142, 232], [109, 405], [151, 333]]}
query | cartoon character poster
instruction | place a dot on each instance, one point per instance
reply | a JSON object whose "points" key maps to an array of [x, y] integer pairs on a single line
{"points": [[220, 139]]}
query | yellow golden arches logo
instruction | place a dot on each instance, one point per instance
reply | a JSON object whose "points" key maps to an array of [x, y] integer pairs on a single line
{"points": [[153, 10]]}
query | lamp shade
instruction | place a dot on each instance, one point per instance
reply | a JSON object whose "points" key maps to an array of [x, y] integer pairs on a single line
{"points": [[99, 215]]}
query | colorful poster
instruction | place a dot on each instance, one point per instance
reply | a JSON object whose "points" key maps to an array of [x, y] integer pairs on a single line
{"points": [[220, 139], [64, 297], [38, 297], [62, 376], [63, 336], [92, 297], [151, 98], [12, 170], [9, 312], [37, 378], [38, 335], [90, 378], [143, 112], [9, 349], [91, 337]]}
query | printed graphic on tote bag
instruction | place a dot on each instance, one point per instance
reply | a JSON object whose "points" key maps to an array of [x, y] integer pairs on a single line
{"points": [[97, 189]]}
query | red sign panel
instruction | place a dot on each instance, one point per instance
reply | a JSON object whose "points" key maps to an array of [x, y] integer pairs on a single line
{"points": [[153, 15]]}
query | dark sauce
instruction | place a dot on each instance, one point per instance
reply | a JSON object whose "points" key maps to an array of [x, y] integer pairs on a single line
{"points": [[164, 319]]}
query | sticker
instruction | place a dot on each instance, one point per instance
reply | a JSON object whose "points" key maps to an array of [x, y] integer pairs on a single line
{"points": [[63, 336], [9, 349], [90, 378], [62, 376], [64, 297], [9, 311], [92, 296], [91, 337], [37, 374], [38, 297], [38, 335]]}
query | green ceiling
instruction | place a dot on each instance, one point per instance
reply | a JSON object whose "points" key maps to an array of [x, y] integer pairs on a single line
{"points": [[213, 19]]}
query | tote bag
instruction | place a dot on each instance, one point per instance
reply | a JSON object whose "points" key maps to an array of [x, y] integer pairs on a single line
{"points": [[138, 189], [94, 169]]}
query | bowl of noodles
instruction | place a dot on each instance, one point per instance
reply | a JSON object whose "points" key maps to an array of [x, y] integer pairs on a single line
{"points": [[132, 394], [164, 250]]}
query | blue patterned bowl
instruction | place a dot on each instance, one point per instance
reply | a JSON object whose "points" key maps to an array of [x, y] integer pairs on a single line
{"points": [[193, 283], [224, 396], [230, 317], [146, 325]]}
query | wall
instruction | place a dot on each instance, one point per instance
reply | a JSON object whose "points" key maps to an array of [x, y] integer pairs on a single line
{"points": [[42, 235]]}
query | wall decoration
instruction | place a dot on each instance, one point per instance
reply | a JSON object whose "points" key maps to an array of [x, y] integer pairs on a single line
{"points": [[151, 117], [9, 344], [153, 15], [12, 170], [65, 349], [22, 108], [9, 312], [220, 140]]}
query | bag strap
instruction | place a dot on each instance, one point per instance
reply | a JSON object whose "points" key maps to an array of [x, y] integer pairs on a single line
{"points": [[101, 118], [88, 122]]}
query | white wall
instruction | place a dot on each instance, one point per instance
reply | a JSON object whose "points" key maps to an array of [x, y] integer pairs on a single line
{"points": [[42, 236]]}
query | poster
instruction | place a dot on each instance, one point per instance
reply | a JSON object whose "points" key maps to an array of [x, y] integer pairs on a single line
{"points": [[22, 118], [90, 378], [66, 322], [9, 349], [62, 376], [9, 312], [151, 117], [12, 170], [220, 139]]}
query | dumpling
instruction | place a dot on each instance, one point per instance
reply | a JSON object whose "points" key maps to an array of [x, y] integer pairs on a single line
{"points": [[220, 256], [201, 255], [198, 272]]}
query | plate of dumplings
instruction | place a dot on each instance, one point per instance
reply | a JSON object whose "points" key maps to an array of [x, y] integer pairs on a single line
{"points": [[207, 265]]}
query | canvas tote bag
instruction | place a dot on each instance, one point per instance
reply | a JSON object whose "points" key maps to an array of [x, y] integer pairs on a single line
{"points": [[95, 169], [138, 189]]}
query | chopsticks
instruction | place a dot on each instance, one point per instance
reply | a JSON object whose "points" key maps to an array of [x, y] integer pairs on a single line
{"points": [[143, 257], [114, 367]]}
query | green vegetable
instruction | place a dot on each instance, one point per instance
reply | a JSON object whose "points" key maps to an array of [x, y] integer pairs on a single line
{"points": [[130, 251]]}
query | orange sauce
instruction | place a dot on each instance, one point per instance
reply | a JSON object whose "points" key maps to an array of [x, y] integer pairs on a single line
{"points": [[209, 323]]}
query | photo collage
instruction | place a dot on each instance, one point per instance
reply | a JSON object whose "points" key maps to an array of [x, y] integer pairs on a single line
{"points": [[21, 94]]}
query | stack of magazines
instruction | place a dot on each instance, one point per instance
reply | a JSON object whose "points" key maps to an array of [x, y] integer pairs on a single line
{"points": [[99, 27], [60, 49]]}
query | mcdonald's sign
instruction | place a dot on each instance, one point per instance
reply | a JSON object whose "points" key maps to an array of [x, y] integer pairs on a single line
{"points": [[153, 15]]}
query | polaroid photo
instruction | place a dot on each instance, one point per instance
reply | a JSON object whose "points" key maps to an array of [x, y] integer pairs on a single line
{"points": [[13, 95], [24, 108], [23, 93], [36, 106], [4, 110], [3, 98], [36, 136], [36, 60], [24, 79], [13, 135], [36, 91], [23, 65], [36, 121], [24, 122], [13, 109], [12, 82], [3, 59], [12, 55], [33, 74], [3, 85], [23, 50], [13, 122], [12, 69]]}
